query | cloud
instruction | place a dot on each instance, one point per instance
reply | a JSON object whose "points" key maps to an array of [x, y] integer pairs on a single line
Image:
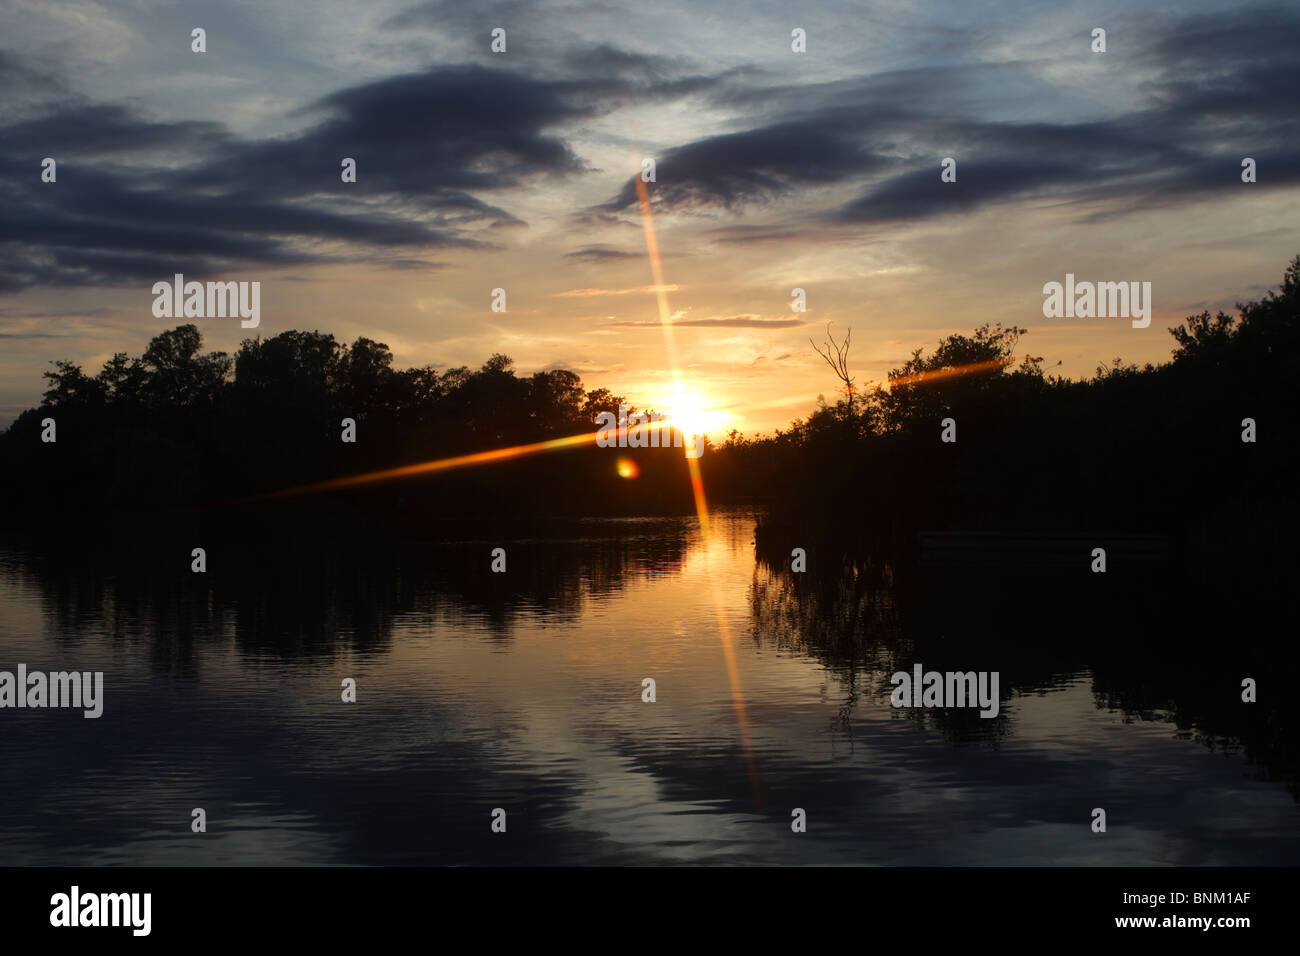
{"points": [[642, 289], [1219, 88], [601, 253], [735, 169], [444, 153], [732, 322], [136, 198], [430, 137], [755, 233]]}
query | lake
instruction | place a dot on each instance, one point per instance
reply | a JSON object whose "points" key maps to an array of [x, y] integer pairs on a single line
{"points": [[523, 691]]}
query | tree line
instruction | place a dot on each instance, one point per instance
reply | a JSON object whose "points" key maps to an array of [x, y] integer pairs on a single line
{"points": [[1200, 447], [1134, 447]]}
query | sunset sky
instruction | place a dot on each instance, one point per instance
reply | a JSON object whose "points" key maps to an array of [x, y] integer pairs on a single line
{"points": [[775, 170]]}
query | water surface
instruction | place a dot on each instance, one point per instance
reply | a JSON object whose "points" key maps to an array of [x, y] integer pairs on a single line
{"points": [[524, 691]]}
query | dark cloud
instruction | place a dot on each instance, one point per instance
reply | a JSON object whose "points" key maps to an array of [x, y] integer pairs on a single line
{"points": [[441, 152], [543, 35], [6, 313], [920, 194], [596, 219], [735, 169], [748, 234], [136, 198], [413, 264], [481, 17], [601, 253], [422, 143], [428, 137], [1222, 88], [90, 131]]}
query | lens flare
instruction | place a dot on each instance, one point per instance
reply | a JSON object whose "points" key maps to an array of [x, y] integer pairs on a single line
{"points": [[687, 412]]}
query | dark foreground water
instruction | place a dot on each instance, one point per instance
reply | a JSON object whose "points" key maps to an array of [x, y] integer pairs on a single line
{"points": [[523, 691]]}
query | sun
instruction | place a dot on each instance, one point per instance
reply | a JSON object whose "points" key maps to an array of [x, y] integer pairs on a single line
{"points": [[689, 412]]}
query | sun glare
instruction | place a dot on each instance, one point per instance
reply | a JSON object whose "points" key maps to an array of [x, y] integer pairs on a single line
{"points": [[691, 414]]}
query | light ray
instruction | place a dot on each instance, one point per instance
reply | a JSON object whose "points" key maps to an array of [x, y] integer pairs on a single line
{"points": [[697, 489], [448, 464], [937, 375]]}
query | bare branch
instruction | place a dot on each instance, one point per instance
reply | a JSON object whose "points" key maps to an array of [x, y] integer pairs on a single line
{"points": [[839, 360]]}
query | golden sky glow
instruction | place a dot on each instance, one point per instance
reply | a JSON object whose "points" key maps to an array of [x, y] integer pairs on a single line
{"points": [[775, 172]]}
